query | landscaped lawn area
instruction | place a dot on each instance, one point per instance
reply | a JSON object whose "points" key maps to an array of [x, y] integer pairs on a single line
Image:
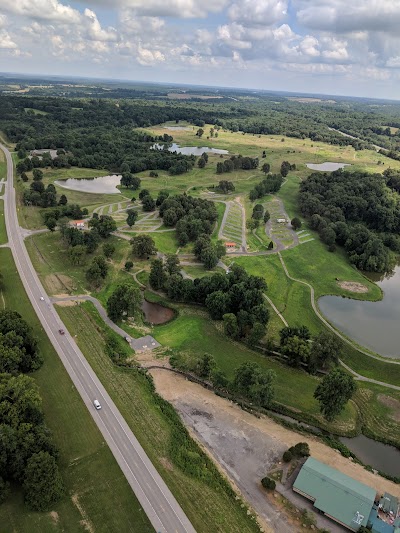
{"points": [[98, 497], [209, 508]]}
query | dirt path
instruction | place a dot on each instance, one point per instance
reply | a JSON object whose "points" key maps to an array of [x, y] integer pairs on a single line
{"points": [[245, 445]]}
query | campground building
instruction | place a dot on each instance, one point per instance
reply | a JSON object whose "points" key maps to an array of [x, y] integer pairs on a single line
{"points": [[345, 500]]}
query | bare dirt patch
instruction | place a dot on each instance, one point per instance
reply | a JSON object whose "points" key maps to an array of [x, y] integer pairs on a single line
{"points": [[85, 522], [54, 516], [353, 286], [166, 464], [228, 419], [393, 404], [66, 303], [56, 283]]}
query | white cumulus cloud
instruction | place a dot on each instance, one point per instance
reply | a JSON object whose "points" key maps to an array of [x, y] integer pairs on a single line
{"points": [[266, 12]]}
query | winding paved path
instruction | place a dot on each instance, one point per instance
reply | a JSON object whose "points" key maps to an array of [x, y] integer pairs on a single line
{"points": [[342, 337]]}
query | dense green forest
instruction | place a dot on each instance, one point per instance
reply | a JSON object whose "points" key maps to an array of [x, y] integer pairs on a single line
{"points": [[28, 454], [355, 210], [93, 129]]}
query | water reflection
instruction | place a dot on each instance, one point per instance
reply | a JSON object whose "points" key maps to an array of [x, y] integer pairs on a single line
{"points": [[103, 185], [371, 324], [189, 150], [327, 167]]}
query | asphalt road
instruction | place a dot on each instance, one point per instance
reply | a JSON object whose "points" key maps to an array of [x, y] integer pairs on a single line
{"points": [[153, 494]]}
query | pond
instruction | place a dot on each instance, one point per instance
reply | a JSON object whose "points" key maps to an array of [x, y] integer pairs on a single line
{"points": [[156, 313], [375, 454], [327, 167], [371, 452], [178, 128], [190, 150], [371, 324], [103, 185]]}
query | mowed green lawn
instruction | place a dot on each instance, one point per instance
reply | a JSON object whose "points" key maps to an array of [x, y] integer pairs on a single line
{"points": [[193, 334], [98, 497], [3, 231], [209, 509]]}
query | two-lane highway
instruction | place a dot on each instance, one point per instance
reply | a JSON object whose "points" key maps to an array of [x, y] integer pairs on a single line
{"points": [[153, 494]]}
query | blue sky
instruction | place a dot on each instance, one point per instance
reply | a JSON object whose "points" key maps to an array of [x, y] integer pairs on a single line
{"points": [[317, 46]]}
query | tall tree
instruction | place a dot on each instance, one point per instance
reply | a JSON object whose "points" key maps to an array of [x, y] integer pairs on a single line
{"points": [[43, 485], [157, 276], [325, 350], [132, 217], [143, 246], [334, 391], [125, 300]]}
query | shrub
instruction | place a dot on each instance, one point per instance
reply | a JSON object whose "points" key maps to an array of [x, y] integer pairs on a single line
{"points": [[301, 449], [268, 483], [287, 456]]}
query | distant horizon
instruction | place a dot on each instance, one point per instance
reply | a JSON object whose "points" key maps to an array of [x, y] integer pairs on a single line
{"points": [[71, 77]]}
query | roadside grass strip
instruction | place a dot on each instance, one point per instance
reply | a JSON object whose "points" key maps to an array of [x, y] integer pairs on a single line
{"points": [[97, 497]]}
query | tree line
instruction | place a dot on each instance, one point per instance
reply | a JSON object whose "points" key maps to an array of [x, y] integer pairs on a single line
{"points": [[28, 455], [355, 210]]}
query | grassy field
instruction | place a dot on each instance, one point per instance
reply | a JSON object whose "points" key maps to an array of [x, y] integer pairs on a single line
{"points": [[51, 260], [209, 509], [31, 218], [3, 232], [98, 497], [192, 329]]}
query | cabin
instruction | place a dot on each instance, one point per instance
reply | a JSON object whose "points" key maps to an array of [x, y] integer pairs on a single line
{"points": [[79, 224], [230, 245], [340, 497]]}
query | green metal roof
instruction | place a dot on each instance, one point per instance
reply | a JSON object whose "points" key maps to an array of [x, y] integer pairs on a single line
{"points": [[336, 494]]}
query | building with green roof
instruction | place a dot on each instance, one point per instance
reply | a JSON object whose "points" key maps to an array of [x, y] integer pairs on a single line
{"points": [[340, 497]]}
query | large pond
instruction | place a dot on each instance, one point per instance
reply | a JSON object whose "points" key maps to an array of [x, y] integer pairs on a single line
{"points": [[103, 185], [371, 324], [156, 313], [190, 150], [178, 128], [376, 454], [327, 167]]}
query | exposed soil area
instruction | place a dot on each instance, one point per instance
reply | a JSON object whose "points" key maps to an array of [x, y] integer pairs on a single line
{"points": [[393, 404], [353, 286], [56, 283], [247, 446]]}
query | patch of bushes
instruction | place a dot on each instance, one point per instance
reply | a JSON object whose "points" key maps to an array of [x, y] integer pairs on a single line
{"points": [[268, 483]]}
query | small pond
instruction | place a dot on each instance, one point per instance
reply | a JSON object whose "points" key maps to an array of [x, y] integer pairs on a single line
{"points": [[178, 128], [327, 167], [371, 324], [103, 185], [371, 452], [190, 150], [156, 313], [375, 454]]}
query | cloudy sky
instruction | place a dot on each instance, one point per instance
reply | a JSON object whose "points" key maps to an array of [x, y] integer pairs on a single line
{"points": [[349, 47]]}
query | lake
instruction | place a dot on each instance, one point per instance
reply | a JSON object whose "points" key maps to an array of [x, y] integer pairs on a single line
{"points": [[190, 150], [376, 454], [103, 185], [371, 324], [327, 167]]}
